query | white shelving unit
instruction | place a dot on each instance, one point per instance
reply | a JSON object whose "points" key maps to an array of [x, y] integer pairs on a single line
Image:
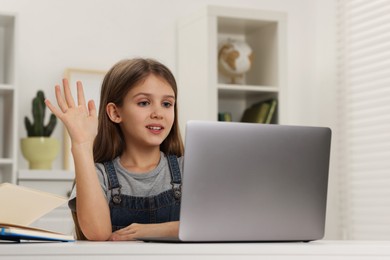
{"points": [[202, 92], [8, 99], [58, 182]]}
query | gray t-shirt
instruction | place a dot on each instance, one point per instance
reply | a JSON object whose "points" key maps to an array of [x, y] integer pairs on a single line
{"points": [[134, 184]]}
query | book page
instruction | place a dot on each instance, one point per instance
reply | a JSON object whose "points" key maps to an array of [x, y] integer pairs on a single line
{"points": [[21, 205]]}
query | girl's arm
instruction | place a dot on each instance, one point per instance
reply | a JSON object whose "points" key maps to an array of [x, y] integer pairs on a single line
{"points": [[167, 229], [92, 208], [81, 122]]}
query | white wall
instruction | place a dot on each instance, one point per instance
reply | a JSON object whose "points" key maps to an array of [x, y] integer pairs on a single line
{"points": [[94, 34], [323, 96]]}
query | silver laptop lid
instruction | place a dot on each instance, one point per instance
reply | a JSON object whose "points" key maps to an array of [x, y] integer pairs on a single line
{"points": [[254, 182]]}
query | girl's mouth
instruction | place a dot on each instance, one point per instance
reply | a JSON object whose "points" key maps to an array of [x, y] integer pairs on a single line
{"points": [[155, 128]]}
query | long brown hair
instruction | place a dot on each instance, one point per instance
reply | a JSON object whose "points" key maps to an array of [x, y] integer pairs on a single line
{"points": [[119, 80]]}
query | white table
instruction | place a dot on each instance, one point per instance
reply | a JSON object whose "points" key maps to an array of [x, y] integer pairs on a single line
{"points": [[324, 249]]}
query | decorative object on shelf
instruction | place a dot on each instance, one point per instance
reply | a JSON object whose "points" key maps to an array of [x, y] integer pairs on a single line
{"points": [[39, 148], [235, 58]]}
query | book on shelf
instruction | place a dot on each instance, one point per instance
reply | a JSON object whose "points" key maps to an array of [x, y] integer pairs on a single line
{"points": [[261, 112], [225, 116], [20, 207], [271, 111]]}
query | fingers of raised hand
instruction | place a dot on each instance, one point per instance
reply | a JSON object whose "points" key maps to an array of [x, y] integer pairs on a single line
{"points": [[68, 94], [52, 108], [92, 108], [80, 94], [66, 101], [60, 100]]}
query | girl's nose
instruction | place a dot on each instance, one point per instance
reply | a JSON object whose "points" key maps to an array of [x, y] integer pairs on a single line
{"points": [[155, 115]]}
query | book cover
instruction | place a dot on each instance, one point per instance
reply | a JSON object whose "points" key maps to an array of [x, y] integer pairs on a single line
{"points": [[21, 206], [271, 111], [256, 113], [17, 233], [225, 117]]}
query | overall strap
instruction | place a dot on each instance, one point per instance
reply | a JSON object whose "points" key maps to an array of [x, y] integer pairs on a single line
{"points": [[175, 175], [113, 183]]}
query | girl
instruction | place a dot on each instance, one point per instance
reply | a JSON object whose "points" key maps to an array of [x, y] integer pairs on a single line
{"points": [[126, 159]]}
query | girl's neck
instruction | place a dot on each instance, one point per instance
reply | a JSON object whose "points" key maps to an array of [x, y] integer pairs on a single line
{"points": [[140, 161]]}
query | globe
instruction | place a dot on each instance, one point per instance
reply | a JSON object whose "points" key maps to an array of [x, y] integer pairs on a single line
{"points": [[234, 59]]}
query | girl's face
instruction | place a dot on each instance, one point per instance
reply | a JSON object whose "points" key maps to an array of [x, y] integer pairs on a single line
{"points": [[147, 114]]}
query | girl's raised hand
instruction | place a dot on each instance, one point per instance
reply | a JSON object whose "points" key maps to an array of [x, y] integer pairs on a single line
{"points": [[80, 120]]}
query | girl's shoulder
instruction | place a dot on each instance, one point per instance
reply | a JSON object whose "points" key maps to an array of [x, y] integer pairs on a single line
{"points": [[100, 166]]}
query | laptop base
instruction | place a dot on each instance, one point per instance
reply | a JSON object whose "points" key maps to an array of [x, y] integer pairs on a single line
{"points": [[175, 240]]}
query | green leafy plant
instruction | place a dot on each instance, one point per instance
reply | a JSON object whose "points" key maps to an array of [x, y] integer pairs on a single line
{"points": [[37, 127]]}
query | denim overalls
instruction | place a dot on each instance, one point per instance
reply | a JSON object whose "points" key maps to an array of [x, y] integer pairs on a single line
{"points": [[125, 209]]}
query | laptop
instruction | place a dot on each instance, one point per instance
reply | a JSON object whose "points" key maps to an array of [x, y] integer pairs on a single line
{"points": [[246, 182]]}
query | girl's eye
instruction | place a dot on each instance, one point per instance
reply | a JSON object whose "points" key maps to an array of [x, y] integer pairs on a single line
{"points": [[167, 104], [143, 103]]}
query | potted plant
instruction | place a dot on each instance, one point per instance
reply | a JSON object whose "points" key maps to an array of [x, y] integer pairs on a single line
{"points": [[39, 148]]}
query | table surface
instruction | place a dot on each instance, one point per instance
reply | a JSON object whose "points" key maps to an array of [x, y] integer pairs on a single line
{"points": [[322, 249]]}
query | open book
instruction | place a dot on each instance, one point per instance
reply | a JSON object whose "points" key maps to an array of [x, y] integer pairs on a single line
{"points": [[20, 206]]}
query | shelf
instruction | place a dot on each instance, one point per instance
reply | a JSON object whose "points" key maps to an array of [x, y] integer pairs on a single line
{"points": [[7, 37], [7, 132], [261, 36], [6, 161], [6, 87], [245, 88], [8, 98], [6, 171], [58, 182], [235, 99], [6, 20], [46, 175], [200, 39], [240, 26], [6, 90]]}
